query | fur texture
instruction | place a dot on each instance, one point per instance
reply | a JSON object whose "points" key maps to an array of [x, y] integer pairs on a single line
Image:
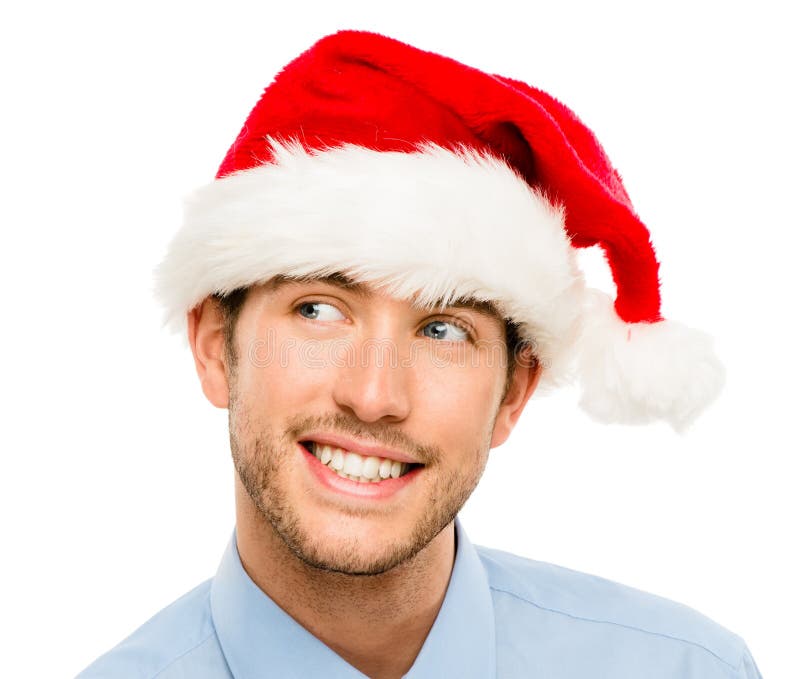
{"points": [[436, 224], [633, 373]]}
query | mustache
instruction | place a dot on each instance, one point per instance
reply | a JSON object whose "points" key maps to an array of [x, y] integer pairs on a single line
{"points": [[379, 434]]}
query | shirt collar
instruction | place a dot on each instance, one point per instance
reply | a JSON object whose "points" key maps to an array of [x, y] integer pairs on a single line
{"points": [[256, 634]]}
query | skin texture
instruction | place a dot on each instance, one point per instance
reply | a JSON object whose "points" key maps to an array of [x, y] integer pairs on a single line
{"points": [[367, 577]]}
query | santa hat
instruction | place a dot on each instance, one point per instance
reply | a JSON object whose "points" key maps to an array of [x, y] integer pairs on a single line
{"points": [[438, 181]]}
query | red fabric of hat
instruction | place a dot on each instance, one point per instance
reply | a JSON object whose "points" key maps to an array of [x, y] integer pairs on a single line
{"points": [[377, 92]]}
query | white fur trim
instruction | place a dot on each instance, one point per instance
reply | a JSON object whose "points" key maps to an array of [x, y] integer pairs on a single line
{"points": [[433, 223], [633, 373]]}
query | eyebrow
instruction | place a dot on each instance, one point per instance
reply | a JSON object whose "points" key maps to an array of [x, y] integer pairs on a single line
{"points": [[361, 290]]}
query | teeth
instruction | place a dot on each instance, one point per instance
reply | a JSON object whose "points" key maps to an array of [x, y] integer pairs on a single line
{"points": [[357, 468], [353, 464], [371, 466], [326, 454]]}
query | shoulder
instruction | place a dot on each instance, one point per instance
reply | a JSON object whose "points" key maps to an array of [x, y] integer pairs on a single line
{"points": [[596, 611], [176, 639]]}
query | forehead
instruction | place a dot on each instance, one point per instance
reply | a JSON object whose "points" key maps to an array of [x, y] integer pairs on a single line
{"points": [[365, 291]]}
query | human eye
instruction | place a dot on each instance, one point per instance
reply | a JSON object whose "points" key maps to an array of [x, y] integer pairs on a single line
{"points": [[319, 311], [440, 329]]}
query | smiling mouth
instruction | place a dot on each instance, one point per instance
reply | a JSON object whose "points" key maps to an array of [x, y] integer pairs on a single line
{"points": [[357, 467]]}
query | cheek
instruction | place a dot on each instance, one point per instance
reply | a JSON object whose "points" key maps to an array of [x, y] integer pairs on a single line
{"points": [[459, 404], [279, 369]]}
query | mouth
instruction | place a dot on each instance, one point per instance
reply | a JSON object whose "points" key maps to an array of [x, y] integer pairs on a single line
{"points": [[356, 467]]}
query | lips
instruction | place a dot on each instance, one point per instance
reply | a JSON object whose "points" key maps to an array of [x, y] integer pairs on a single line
{"points": [[347, 464], [400, 474], [363, 448]]}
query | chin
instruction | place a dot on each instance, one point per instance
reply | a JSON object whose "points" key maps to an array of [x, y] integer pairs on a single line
{"points": [[351, 545]]}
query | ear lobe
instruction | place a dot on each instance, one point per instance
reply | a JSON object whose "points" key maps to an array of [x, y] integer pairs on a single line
{"points": [[524, 381], [207, 341]]}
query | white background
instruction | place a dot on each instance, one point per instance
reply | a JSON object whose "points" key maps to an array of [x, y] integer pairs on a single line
{"points": [[116, 485]]}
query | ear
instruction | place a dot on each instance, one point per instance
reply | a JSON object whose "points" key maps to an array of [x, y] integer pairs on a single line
{"points": [[207, 341], [523, 384]]}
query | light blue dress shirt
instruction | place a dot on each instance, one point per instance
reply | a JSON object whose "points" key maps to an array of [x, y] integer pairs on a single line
{"points": [[503, 617]]}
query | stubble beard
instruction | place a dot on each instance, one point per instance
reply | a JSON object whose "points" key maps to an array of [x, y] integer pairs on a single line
{"points": [[258, 460]]}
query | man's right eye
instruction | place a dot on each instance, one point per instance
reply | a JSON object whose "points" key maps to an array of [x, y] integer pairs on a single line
{"points": [[319, 311]]}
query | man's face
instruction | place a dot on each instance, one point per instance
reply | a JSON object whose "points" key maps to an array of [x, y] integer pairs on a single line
{"points": [[417, 392]]}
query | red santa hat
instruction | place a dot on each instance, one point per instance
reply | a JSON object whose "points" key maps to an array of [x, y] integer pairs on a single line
{"points": [[438, 181]]}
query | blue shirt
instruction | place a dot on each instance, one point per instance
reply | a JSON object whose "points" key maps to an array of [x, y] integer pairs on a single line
{"points": [[503, 616]]}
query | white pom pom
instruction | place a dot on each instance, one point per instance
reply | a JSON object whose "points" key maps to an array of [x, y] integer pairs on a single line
{"points": [[633, 373]]}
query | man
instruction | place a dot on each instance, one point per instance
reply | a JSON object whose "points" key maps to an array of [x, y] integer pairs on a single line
{"points": [[379, 278]]}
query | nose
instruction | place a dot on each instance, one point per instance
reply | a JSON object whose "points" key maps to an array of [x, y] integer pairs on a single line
{"points": [[374, 384]]}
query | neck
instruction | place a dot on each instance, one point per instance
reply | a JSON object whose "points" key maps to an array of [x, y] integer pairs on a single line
{"points": [[376, 623]]}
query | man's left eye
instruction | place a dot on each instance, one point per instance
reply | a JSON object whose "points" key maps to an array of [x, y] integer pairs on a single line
{"points": [[440, 330], [319, 311]]}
